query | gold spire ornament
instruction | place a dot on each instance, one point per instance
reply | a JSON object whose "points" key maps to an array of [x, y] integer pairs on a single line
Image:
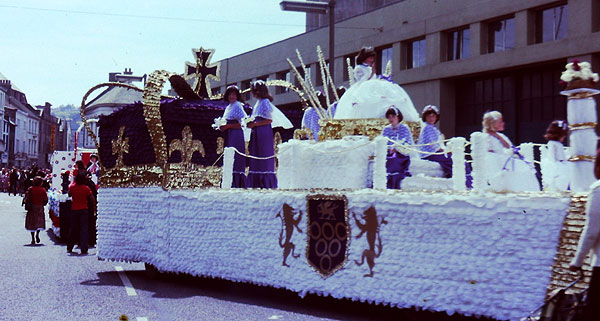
{"points": [[187, 146], [120, 146], [203, 71]]}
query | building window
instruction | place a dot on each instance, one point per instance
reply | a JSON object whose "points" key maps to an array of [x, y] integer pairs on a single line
{"points": [[285, 75], [551, 24], [458, 44], [246, 85], [305, 76], [415, 53], [352, 59], [384, 55], [501, 35]]}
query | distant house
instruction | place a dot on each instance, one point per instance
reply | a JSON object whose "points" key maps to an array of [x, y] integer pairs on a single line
{"points": [[53, 134], [26, 131]]}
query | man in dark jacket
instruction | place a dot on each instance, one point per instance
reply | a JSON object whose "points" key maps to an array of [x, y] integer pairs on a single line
{"points": [[14, 178]]}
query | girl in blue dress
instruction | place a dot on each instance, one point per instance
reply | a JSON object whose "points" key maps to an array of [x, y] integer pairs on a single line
{"points": [[234, 135], [431, 135], [265, 116], [398, 161]]}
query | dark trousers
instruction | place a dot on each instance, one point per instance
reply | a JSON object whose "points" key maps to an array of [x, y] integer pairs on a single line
{"points": [[445, 162], [592, 308], [78, 230], [13, 189]]}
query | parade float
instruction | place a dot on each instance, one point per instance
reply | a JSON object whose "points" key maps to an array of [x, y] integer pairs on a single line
{"points": [[331, 228]]}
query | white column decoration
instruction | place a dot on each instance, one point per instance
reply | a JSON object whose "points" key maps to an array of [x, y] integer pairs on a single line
{"points": [[379, 170], [583, 141], [456, 146], [228, 158], [526, 149], [478, 153], [545, 170]]}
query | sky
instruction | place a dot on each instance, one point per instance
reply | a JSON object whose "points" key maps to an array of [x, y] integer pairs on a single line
{"points": [[55, 51]]}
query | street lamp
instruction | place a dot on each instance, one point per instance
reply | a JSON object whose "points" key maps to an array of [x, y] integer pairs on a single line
{"points": [[318, 8]]}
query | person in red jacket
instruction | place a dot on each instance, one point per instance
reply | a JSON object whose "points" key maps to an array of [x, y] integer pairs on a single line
{"points": [[83, 202], [35, 199]]}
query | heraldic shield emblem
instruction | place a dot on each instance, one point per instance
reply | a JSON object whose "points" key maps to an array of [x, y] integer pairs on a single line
{"points": [[328, 233]]}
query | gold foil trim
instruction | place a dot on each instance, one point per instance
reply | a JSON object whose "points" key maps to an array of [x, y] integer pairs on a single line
{"points": [[220, 145], [333, 197], [191, 176], [580, 126], [303, 134], [120, 146], [581, 95], [567, 246], [582, 158], [372, 127], [187, 146], [133, 176], [151, 101]]}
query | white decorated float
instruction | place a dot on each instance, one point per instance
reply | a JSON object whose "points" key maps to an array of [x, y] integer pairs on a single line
{"points": [[331, 228]]}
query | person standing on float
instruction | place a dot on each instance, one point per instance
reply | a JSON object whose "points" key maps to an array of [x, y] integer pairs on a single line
{"points": [[262, 171], [234, 134]]}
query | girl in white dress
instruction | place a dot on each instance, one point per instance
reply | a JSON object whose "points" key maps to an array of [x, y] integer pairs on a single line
{"points": [[370, 96], [555, 163], [506, 168]]}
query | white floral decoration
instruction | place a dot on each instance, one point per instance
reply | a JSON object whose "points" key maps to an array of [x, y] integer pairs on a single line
{"points": [[218, 122], [584, 72]]}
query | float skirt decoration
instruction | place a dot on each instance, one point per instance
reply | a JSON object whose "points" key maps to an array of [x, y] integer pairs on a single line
{"points": [[474, 254]]}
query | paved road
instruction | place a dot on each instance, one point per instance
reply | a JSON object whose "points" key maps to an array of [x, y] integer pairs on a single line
{"points": [[44, 283]]}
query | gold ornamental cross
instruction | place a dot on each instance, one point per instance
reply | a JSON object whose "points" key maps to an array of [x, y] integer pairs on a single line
{"points": [[187, 146], [120, 146], [202, 71]]}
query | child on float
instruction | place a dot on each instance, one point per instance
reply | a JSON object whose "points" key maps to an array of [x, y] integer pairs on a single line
{"points": [[265, 116], [555, 160], [234, 134], [431, 138], [398, 160], [370, 95], [507, 170]]}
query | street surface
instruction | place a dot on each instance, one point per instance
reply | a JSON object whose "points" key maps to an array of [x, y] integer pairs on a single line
{"points": [[43, 282]]}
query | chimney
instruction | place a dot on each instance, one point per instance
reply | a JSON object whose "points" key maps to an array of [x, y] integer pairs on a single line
{"points": [[128, 71]]}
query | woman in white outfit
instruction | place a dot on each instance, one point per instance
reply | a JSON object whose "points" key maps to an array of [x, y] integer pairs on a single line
{"points": [[507, 169]]}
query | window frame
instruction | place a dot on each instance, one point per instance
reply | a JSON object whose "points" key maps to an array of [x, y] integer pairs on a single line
{"points": [[491, 38], [450, 50], [539, 22], [410, 61]]}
